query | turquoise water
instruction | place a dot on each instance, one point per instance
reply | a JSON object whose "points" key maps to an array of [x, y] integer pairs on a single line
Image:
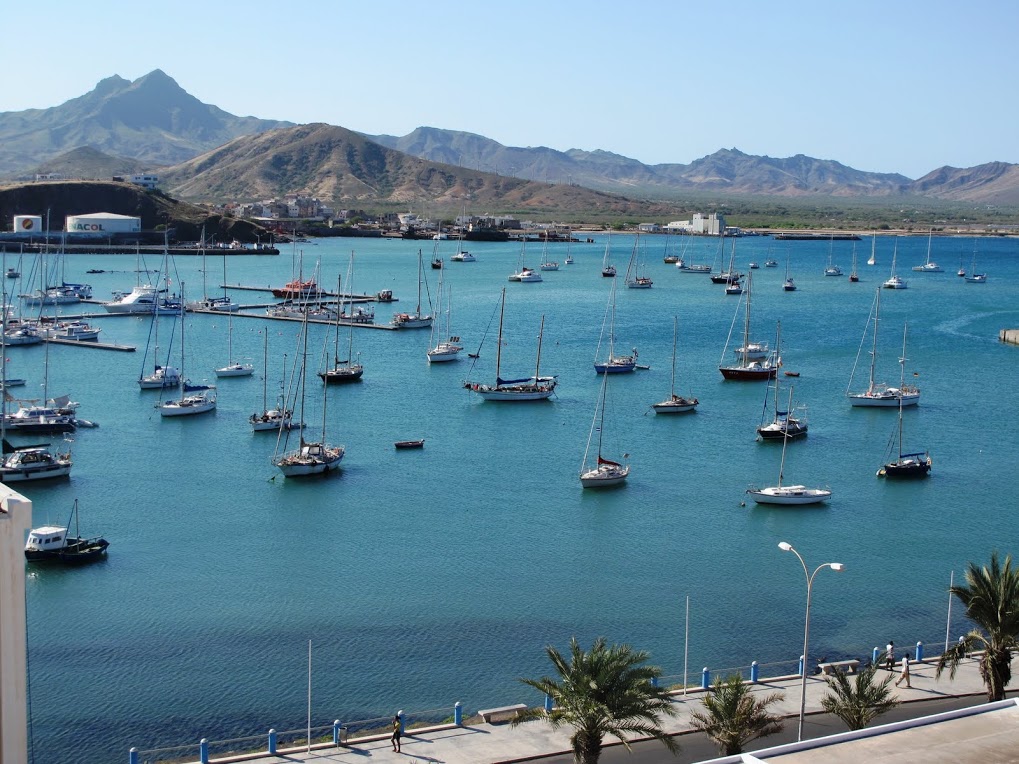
{"points": [[427, 577]]}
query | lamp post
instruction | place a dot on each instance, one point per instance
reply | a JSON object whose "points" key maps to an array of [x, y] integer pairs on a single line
{"points": [[785, 546]]}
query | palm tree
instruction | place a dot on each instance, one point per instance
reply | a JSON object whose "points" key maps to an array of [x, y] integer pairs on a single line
{"points": [[606, 691], [991, 597], [861, 701], [735, 716]]}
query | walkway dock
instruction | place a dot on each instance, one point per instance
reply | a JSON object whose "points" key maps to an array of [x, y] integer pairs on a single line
{"points": [[477, 742], [1011, 336]]}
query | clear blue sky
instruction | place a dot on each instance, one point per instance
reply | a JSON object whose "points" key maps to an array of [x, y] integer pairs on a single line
{"points": [[887, 86]]}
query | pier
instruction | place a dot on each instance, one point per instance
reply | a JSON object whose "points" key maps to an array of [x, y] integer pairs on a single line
{"points": [[1010, 336]]}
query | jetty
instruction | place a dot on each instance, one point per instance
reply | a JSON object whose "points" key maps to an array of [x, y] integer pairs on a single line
{"points": [[1010, 336]]}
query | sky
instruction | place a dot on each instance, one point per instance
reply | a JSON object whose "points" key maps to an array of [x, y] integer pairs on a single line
{"points": [[900, 86]]}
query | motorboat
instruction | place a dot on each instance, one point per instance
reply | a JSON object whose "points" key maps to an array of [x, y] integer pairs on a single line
{"points": [[77, 331], [54, 543], [34, 463], [143, 299], [297, 289]]}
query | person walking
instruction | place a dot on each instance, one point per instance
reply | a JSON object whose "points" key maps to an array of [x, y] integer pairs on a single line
{"points": [[905, 672], [890, 655], [396, 733]]}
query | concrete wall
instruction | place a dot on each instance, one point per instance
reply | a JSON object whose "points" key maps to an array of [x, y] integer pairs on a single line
{"points": [[15, 521]]}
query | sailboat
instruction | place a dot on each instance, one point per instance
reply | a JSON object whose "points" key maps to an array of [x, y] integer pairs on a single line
{"points": [[974, 277], [414, 320], [53, 543], [533, 388], [444, 350], [604, 472], [730, 274], [783, 424], [872, 260], [906, 465], [675, 404], [346, 369], [613, 364], [462, 255], [788, 494], [275, 418], [525, 274], [895, 281], [608, 270], [546, 264], [788, 285], [633, 279], [161, 376], [928, 266], [853, 276], [194, 399], [233, 368], [749, 364], [832, 269], [882, 394], [309, 458]]}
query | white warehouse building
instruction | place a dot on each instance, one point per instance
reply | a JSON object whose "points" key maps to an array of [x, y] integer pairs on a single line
{"points": [[103, 223]]}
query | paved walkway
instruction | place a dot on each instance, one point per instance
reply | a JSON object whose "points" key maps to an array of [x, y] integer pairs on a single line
{"points": [[497, 743]]}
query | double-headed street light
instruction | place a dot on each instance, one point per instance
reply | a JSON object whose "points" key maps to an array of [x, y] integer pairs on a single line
{"points": [[785, 546]]}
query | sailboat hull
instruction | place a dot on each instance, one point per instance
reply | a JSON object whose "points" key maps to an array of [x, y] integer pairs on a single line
{"points": [[751, 373], [885, 398], [342, 374], [907, 467], [605, 476], [676, 405], [189, 405], [236, 370], [310, 459], [505, 393], [790, 495]]}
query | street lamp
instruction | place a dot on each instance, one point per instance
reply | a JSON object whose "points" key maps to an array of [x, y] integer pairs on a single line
{"points": [[785, 546]]}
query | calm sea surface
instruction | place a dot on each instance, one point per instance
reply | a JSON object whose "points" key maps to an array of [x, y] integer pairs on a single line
{"points": [[428, 577]]}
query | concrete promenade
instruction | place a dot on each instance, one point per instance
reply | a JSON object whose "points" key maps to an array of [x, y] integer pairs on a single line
{"points": [[483, 743]]}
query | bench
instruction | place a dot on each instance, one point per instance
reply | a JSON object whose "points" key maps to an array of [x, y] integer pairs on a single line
{"points": [[509, 712], [830, 668]]}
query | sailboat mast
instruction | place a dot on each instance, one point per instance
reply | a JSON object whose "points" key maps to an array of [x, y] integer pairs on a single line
{"points": [[336, 335], [873, 352], [350, 313], [746, 323], [601, 421], [419, 284], [675, 334], [265, 370], [785, 441], [498, 345], [537, 362]]}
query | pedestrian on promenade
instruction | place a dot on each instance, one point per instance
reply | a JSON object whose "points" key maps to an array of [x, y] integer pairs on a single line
{"points": [[890, 655], [905, 672], [396, 733]]}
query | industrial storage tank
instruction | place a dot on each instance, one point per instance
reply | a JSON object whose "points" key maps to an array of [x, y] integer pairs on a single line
{"points": [[28, 224], [103, 224]]}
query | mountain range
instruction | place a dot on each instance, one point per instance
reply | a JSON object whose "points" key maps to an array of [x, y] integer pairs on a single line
{"points": [[204, 153]]}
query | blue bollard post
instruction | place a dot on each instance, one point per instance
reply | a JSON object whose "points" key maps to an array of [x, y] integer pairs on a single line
{"points": [[654, 681], [800, 670], [754, 671], [548, 704], [403, 723], [919, 651], [874, 655], [705, 678], [336, 732], [272, 742], [133, 756], [203, 751], [458, 714]]}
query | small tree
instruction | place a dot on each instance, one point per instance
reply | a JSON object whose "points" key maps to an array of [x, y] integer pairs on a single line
{"points": [[606, 691], [860, 701], [991, 598], [735, 716]]}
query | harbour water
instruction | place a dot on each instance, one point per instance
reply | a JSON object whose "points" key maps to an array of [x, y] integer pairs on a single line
{"points": [[438, 575]]}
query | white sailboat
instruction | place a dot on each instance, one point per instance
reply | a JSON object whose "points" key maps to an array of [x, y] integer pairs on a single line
{"points": [[880, 394], [928, 266], [832, 269], [162, 375], [524, 274], [533, 388], [974, 277], [449, 349], [415, 320], [344, 369], [546, 264], [309, 458], [607, 269], [895, 281], [675, 404], [276, 418], [233, 368], [788, 285], [603, 473], [788, 494], [872, 260], [613, 364], [193, 399], [633, 278]]}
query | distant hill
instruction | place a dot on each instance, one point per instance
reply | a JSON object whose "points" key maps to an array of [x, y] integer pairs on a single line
{"points": [[992, 183], [152, 120], [340, 165], [87, 162]]}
